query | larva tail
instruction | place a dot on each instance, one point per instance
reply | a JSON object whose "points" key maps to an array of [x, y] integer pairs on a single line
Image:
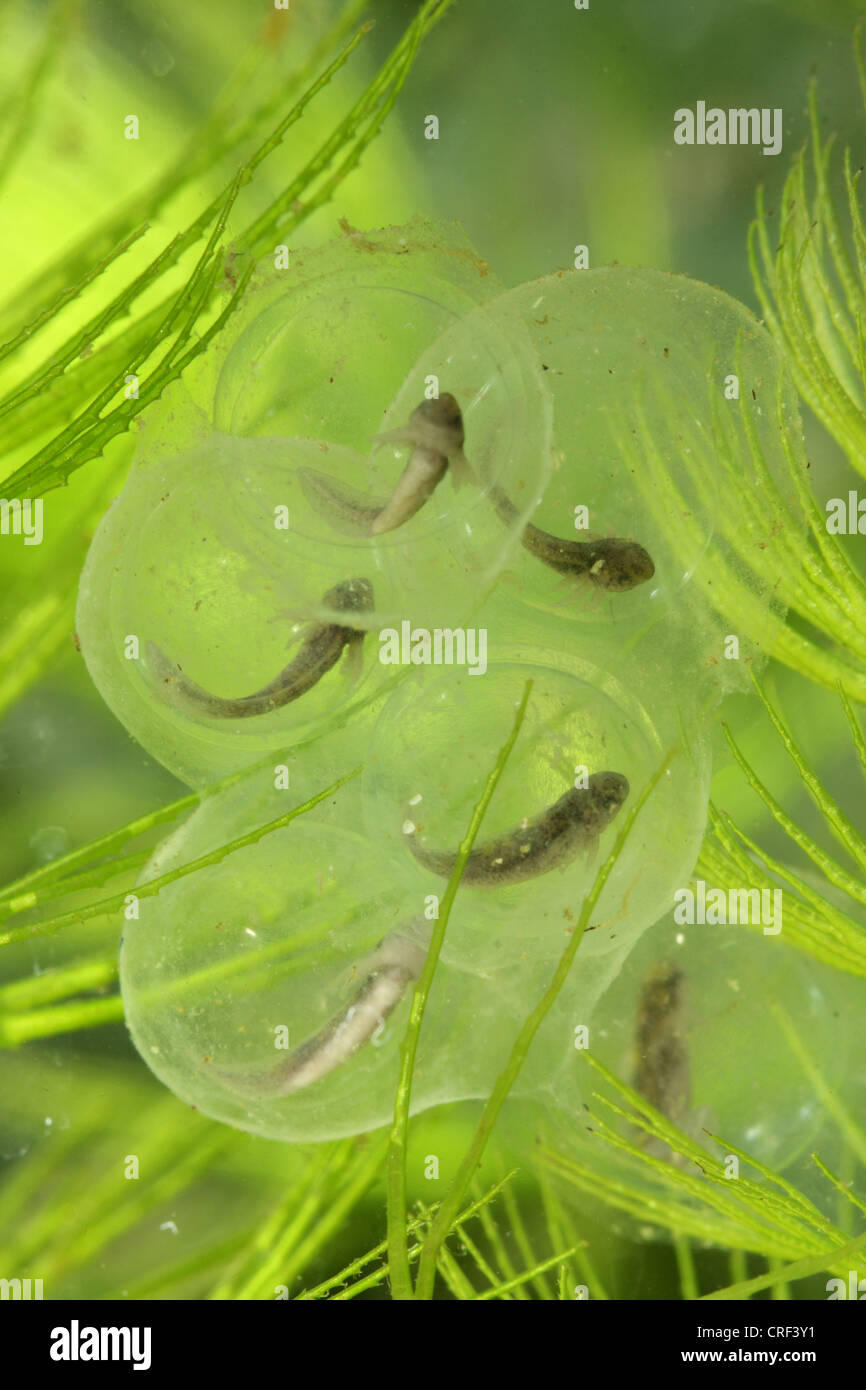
{"points": [[344, 508], [461, 470]]}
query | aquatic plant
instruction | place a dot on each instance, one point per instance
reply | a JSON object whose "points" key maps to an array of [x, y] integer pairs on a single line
{"points": [[661, 666]]}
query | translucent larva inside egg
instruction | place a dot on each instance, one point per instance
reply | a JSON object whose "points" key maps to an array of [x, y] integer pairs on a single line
{"points": [[431, 754], [667, 399], [210, 579], [195, 597], [723, 1029], [230, 972], [577, 485], [271, 989], [346, 357]]}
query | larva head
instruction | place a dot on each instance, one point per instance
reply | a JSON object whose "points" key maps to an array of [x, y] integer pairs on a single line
{"points": [[620, 565], [438, 425], [594, 806], [350, 596], [607, 793], [404, 949], [662, 990]]}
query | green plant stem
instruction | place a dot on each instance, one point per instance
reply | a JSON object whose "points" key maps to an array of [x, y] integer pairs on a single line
{"points": [[153, 886], [398, 1258], [504, 1082], [377, 1277], [785, 1274]]}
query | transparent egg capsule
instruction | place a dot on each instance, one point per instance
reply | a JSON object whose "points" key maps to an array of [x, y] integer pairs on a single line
{"points": [[271, 988], [732, 1035], [305, 488], [675, 431], [588, 746]]}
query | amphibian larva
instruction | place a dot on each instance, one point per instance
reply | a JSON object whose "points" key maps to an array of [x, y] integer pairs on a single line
{"points": [[396, 962], [322, 649], [661, 1073], [571, 824], [611, 564], [435, 431]]}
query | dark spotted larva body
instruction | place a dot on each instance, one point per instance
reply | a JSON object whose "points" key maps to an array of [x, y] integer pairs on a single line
{"points": [[321, 650], [571, 824], [608, 563]]}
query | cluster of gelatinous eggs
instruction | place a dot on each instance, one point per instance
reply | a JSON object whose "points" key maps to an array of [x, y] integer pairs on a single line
{"points": [[389, 495]]}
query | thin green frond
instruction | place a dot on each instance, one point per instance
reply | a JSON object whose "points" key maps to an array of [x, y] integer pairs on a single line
{"points": [[729, 857], [787, 1274], [184, 330], [812, 287], [509, 1074], [396, 1207], [148, 890]]}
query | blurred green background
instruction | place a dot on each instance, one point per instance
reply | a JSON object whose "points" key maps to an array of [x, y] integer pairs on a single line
{"points": [[556, 129]]}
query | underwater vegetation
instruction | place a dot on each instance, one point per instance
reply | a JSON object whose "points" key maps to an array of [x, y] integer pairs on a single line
{"points": [[487, 899]]}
